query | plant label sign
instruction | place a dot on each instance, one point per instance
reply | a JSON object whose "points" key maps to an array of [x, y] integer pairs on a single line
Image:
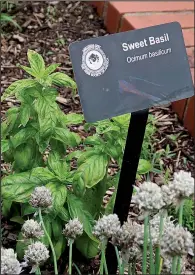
{"points": [[131, 71]]}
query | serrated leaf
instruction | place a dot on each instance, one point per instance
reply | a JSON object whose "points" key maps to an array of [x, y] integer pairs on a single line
{"points": [[22, 136], [24, 114], [4, 145], [85, 155], [59, 194], [67, 137], [144, 167], [63, 214], [50, 69], [93, 170], [88, 247], [57, 165], [18, 187], [63, 80], [36, 62], [76, 210], [75, 154], [18, 86]]}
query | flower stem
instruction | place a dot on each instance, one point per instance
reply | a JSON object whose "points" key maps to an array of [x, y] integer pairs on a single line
{"points": [[157, 252], [180, 219], [103, 265], [50, 242], [174, 265], [70, 257], [118, 259], [145, 248], [130, 269], [152, 266], [134, 266]]}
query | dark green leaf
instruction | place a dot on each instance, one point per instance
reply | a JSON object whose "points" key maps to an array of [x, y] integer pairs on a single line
{"points": [[71, 119], [75, 154], [22, 136], [21, 246], [18, 187], [76, 210], [57, 165], [60, 246], [56, 228], [17, 219], [4, 145], [27, 209], [6, 207], [63, 214], [89, 248]]}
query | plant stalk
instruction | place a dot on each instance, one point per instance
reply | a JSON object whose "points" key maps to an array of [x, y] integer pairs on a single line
{"points": [[145, 248], [174, 265], [103, 265], [70, 258], [152, 266], [157, 252], [50, 242], [180, 220], [118, 259]]}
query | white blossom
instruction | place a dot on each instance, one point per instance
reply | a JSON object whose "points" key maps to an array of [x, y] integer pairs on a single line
{"points": [[182, 185], [9, 262], [73, 229], [106, 227], [36, 254], [149, 197], [168, 195], [41, 197], [32, 229], [176, 241]]}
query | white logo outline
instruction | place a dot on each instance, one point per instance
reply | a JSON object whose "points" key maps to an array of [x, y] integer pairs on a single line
{"points": [[94, 60]]}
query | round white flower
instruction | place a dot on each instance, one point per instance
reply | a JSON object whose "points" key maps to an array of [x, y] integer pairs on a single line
{"points": [[36, 254], [32, 229], [73, 229], [41, 197], [9, 262]]}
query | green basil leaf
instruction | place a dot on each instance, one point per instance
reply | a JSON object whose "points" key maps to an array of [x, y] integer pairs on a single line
{"points": [[56, 165], [22, 136], [63, 214], [94, 140], [18, 187], [28, 70], [6, 207], [50, 69], [71, 119], [4, 145], [67, 137], [17, 219], [18, 86], [59, 246], [88, 247], [36, 62], [56, 228], [93, 170], [76, 210], [21, 246], [75, 154], [59, 194], [27, 209], [63, 80], [24, 114], [144, 167]]}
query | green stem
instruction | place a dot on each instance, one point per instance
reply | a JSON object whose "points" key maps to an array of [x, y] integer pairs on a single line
{"points": [[101, 264], [70, 257], [145, 248], [105, 265], [130, 269], [134, 266], [157, 252], [174, 265], [152, 266], [118, 259], [50, 242], [180, 219]]}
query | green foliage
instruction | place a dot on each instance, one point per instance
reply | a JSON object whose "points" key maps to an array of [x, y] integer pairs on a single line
{"points": [[38, 127]]}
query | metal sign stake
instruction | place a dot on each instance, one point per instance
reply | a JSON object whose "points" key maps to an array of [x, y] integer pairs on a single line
{"points": [[129, 167]]}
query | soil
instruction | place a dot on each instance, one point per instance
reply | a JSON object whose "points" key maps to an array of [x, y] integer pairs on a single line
{"points": [[49, 28]]}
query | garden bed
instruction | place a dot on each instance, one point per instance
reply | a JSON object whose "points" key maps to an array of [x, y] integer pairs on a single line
{"points": [[49, 29]]}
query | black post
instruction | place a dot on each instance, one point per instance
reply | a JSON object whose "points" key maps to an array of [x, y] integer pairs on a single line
{"points": [[129, 167]]}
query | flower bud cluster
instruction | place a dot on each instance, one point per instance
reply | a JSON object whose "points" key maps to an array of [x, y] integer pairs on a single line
{"points": [[9, 262], [73, 229], [36, 254], [41, 197], [32, 229]]}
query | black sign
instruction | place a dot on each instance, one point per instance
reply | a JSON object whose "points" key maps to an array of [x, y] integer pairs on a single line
{"points": [[131, 71]]}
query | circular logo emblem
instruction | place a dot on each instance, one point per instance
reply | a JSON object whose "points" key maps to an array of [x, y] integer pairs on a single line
{"points": [[94, 60]]}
